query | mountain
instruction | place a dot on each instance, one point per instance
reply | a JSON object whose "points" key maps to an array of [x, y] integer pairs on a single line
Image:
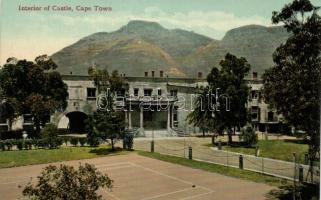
{"points": [[143, 46]]}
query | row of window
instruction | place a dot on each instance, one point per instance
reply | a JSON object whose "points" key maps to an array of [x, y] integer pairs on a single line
{"points": [[91, 92]]}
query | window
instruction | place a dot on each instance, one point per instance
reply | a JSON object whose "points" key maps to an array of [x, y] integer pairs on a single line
{"points": [[270, 116], [148, 92], [255, 94], [161, 74], [173, 93], [254, 75], [153, 73], [255, 113], [146, 74], [91, 92], [136, 90], [121, 92], [159, 92], [175, 117], [200, 75]]}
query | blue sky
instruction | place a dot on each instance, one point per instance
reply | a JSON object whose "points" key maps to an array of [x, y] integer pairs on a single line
{"points": [[28, 34]]}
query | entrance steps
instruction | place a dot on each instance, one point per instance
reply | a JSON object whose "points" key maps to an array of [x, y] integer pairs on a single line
{"points": [[159, 133]]}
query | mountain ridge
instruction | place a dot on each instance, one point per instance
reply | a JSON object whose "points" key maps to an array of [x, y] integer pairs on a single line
{"points": [[143, 46]]}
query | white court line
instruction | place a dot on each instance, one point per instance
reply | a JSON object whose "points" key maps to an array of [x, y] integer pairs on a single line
{"points": [[172, 177], [22, 179], [166, 194], [112, 168], [197, 195]]}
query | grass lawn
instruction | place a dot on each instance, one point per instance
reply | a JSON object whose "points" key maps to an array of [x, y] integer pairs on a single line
{"points": [[276, 149], [40, 156], [228, 171]]}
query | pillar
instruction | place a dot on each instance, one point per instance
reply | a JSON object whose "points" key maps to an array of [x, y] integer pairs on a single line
{"points": [[130, 120], [169, 118], [141, 118]]}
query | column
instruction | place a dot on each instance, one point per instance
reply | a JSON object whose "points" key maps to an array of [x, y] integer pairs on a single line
{"points": [[130, 120], [169, 118], [172, 117], [141, 118]]}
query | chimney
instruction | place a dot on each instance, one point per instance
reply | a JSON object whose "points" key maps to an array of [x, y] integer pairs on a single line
{"points": [[153, 73], [199, 75], [254, 75], [146, 74], [161, 74]]}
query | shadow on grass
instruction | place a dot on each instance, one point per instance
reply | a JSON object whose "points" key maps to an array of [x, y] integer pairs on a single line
{"points": [[306, 191], [105, 151], [296, 141]]}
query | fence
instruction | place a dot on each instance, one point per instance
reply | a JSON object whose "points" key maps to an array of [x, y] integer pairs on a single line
{"points": [[183, 147]]}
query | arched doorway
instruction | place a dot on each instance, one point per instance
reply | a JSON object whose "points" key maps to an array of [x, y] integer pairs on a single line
{"points": [[77, 122]]}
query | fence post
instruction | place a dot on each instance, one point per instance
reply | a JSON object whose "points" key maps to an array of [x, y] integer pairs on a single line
{"points": [[300, 174], [152, 146], [257, 149], [190, 153], [306, 158], [241, 162], [294, 176]]}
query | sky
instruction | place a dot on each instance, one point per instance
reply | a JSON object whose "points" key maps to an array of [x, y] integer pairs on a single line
{"points": [[27, 34]]}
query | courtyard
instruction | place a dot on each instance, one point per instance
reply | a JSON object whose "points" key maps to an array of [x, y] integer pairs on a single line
{"points": [[138, 177]]}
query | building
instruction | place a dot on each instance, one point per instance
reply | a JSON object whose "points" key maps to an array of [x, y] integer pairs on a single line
{"points": [[151, 103]]}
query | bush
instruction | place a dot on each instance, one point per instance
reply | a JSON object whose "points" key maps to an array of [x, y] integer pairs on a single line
{"points": [[128, 141], [248, 136], [19, 144], [50, 136], [2, 145], [82, 141], [65, 182], [74, 141], [9, 144], [66, 140], [28, 144]]}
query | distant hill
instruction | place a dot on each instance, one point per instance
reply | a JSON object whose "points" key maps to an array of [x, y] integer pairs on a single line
{"points": [[145, 46]]}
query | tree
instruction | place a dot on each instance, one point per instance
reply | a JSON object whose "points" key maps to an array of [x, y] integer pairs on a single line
{"points": [[92, 135], [65, 182], [110, 125], [222, 104], [292, 85], [49, 134], [33, 88], [248, 136], [107, 123]]}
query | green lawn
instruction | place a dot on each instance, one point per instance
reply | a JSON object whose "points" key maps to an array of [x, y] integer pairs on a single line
{"points": [[228, 171], [40, 156], [276, 149]]}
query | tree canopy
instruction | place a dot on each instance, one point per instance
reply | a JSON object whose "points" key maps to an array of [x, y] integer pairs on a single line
{"points": [[33, 88], [292, 85], [222, 104]]}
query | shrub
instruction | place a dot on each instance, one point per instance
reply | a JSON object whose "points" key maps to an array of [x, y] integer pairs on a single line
{"points": [[34, 142], [66, 182], [28, 144], [19, 144], [2, 145], [66, 140], [74, 141], [9, 143], [82, 141], [248, 136], [128, 141], [50, 136]]}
